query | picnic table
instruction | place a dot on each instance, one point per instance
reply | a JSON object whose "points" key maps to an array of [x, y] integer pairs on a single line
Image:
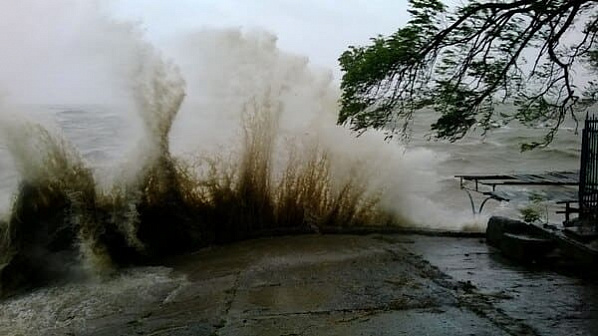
{"points": [[487, 185], [585, 179]]}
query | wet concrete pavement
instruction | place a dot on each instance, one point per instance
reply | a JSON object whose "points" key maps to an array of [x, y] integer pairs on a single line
{"points": [[549, 302], [336, 285]]}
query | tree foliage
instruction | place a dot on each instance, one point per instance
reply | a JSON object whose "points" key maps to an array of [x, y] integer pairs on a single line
{"points": [[463, 61]]}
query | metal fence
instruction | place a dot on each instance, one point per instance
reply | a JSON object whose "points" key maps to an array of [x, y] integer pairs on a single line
{"points": [[588, 173]]}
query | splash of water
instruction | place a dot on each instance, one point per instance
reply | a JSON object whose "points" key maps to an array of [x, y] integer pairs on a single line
{"points": [[290, 167]]}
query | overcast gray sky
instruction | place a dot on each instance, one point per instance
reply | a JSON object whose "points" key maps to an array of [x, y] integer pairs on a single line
{"points": [[319, 29]]}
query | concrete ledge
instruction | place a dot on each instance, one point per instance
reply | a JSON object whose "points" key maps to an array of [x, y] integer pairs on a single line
{"points": [[497, 226], [518, 240], [365, 230]]}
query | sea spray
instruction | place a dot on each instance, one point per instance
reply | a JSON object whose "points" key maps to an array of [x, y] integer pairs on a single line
{"points": [[166, 221], [53, 213], [282, 166], [61, 219], [224, 69], [57, 198], [250, 195]]}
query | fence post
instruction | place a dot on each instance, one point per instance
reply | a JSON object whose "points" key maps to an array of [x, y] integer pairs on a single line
{"points": [[588, 173]]}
